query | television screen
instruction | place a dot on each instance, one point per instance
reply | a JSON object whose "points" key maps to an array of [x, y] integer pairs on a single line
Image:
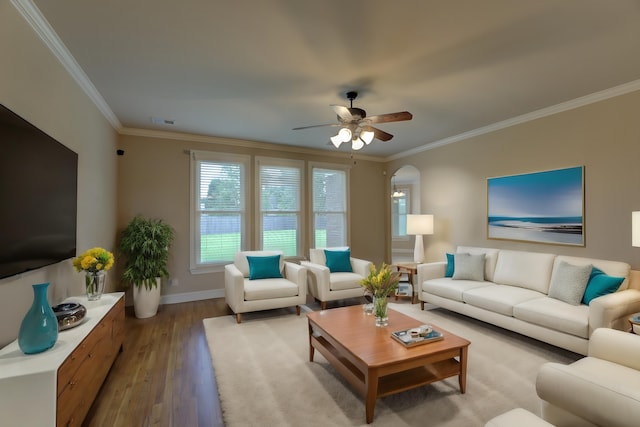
{"points": [[38, 197]]}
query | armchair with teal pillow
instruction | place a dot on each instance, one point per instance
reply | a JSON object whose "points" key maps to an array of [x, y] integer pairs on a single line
{"points": [[335, 275], [262, 280]]}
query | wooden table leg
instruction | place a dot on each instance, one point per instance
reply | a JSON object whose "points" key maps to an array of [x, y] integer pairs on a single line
{"points": [[462, 378], [311, 348], [371, 382]]}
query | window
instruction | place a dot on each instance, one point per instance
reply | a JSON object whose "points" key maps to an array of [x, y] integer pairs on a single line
{"points": [[329, 200], [280, 193], [218, 208], [399, 210]]}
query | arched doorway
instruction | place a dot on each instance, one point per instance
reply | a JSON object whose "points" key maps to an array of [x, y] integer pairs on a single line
{"points": [[405, 199]]}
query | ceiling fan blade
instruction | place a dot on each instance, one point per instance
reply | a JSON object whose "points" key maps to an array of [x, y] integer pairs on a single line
{"points": [[342, 112], [317, 126], [380, 134], [391, 117]]}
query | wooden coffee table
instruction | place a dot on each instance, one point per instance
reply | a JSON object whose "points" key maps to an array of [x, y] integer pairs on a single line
{"points": [[377, 365]]}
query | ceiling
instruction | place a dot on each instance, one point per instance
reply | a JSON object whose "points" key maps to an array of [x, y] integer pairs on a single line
{"points": [[255, 69]]}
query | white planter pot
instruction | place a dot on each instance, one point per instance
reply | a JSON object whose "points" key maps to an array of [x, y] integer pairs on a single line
{"points": [[146, 301]]}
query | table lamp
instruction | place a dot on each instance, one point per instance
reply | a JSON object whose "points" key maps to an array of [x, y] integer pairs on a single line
{"points": [[419, 225]]}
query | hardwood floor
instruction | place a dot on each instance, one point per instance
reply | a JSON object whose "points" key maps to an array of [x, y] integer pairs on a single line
{"points": [[164, 376]]}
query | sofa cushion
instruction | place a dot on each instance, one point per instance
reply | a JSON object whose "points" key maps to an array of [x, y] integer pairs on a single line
{"points": [[555, 314], [600, 284], [612, 268], [490, 258], [451, 289], [499, 298], [468, 267], [530, 270], [316, 255], [269, 288], [338, 261], [450, 265], [345, 280], [240, 260], [264, 267], [569, 281]]}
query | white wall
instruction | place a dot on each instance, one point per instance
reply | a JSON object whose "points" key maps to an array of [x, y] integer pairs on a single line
{"points": [[36, 86]]}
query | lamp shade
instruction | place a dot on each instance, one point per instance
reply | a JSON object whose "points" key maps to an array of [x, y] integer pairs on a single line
{"points": [[336, 140], [357, 144], [635, 229], [345, 134], [367, 136], [419, 225]]}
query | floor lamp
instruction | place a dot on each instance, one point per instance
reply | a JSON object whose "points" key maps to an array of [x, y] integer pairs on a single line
{"points": [[419, 225]]}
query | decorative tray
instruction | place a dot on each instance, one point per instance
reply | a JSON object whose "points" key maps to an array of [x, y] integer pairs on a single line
{"points": [[416, 336]]}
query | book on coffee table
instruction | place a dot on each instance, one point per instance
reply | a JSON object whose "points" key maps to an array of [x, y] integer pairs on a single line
{"points": [[405, 337]]}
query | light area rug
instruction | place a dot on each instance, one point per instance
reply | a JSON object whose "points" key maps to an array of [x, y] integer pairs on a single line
{"points": [[265, 378]]}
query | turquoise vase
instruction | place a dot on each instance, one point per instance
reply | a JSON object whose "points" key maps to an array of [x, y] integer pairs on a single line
{"points": [[39, 328]]}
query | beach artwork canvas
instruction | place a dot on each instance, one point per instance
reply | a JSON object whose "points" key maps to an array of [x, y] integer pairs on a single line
{"points": [[542, 207]]}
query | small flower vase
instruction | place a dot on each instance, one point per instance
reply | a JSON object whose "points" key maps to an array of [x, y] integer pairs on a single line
{"points": [[95, 285], [380, 311], [39, 328]]}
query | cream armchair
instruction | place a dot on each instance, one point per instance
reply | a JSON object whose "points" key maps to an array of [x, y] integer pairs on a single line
{"points": [[327, 286], [602, 389], [263, 292]]}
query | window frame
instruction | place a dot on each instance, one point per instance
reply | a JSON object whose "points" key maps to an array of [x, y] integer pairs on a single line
{"points": [[261, 161], [407, 196], [196, 157], [312, 213]]}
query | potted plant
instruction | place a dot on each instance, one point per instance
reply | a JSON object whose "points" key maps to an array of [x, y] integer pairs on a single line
{"points": [[145, 245]]}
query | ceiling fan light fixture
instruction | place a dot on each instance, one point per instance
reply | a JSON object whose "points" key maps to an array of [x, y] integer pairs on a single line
{"points": [[336, 140], [367, 136], [357, 144], [345, 134]]}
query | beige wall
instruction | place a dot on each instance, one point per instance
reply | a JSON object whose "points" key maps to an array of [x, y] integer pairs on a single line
{"points": [[35, 86], [604, 137], [154, 180]]}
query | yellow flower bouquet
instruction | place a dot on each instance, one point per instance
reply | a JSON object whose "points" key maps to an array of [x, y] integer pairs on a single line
{"points": [[382, 282], [94, 263], [94, 260]]}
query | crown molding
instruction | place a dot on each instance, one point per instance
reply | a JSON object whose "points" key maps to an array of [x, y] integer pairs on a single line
{"points": [[36, 20], [149, 133], [534, 115]]}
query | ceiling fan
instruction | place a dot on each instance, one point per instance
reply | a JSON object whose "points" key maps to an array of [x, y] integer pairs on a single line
{"points": [[355, 125]]}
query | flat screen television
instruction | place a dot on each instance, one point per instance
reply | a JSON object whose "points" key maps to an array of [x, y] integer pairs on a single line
{"points": [[38, 197]]}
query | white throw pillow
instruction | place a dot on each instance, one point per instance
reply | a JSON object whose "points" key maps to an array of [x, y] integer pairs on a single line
{"points": [[569, 281], [468, 267]]}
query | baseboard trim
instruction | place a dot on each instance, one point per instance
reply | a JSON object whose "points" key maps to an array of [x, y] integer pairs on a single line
{"points": [[191, 296]]}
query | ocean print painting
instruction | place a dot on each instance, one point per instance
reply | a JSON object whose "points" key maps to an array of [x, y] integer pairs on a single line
{"points": [[542, 207]]}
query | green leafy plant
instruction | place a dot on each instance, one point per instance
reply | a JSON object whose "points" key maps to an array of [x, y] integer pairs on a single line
{"points": [[145, 245]]}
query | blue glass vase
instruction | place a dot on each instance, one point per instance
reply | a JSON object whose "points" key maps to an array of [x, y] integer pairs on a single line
{"points": [[39, 328]]}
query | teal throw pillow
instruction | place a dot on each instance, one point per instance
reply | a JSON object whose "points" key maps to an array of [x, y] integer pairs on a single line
{"points": [[600, 284], [450, 266], [338, 261], [264, 267]]}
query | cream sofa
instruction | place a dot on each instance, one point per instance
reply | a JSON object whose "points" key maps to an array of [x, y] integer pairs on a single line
{"points": [[602, 389], [514, 295]]}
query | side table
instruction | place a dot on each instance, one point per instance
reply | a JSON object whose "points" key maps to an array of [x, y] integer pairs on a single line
{"points": [[634, 320], [411, 268]]}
